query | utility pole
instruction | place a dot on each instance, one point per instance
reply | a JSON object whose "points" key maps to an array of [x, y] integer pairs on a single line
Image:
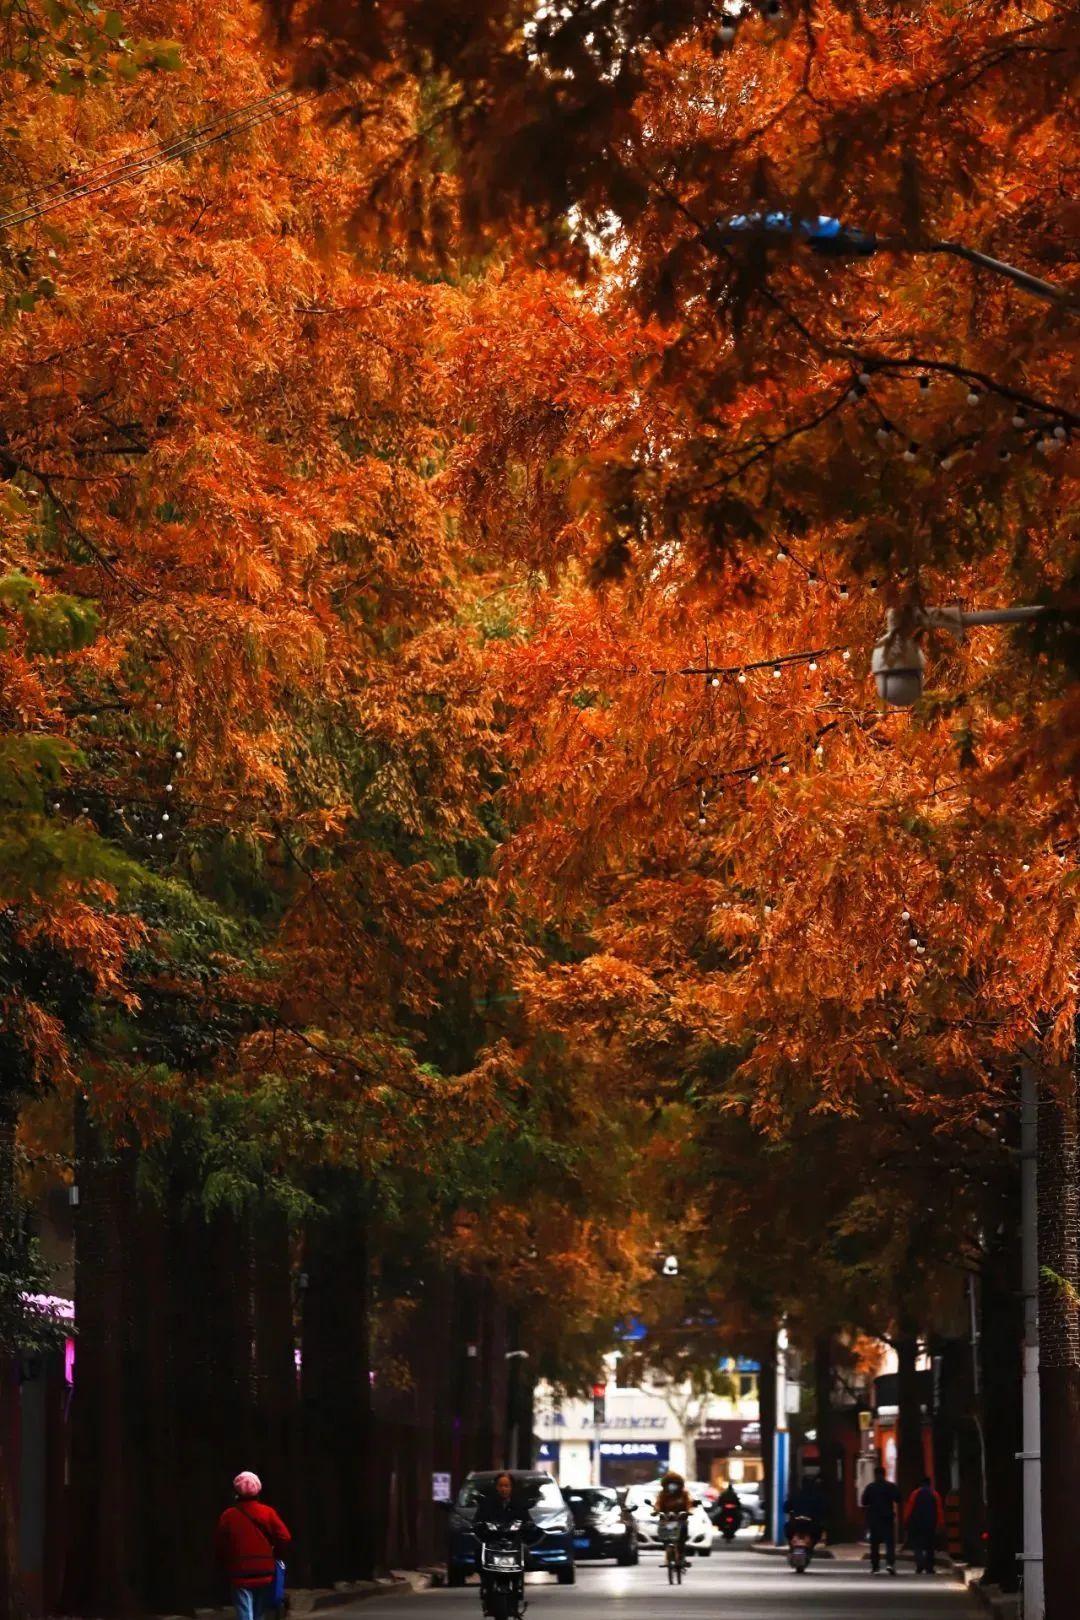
{"points": [[780, 1439], [1031, 1456]]}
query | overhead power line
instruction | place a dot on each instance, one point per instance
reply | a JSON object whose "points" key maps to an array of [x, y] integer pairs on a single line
{"points": [[226, 126]]}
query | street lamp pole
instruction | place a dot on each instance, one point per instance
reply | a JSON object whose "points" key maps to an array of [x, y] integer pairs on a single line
{"points": [[898, 663]]}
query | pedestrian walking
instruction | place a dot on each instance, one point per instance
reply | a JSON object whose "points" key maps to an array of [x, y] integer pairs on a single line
{"points": [[249, 1543], [924, 1516], [880, 1502]]}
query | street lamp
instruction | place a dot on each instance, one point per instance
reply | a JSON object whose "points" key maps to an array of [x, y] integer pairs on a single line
{"points": [[898, 663]]}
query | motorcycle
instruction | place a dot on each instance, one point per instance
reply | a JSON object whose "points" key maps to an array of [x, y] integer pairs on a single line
{"points": [[729, 1520], [800, 1544], [502, 1569]]}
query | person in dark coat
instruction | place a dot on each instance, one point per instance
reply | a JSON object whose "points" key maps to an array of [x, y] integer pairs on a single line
{"points": [[250, 1539], [924, 1516], [880, 1502]]}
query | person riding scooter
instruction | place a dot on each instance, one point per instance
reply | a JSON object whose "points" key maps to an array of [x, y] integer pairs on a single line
{"points": [[728, 1512], [808, 1503]]}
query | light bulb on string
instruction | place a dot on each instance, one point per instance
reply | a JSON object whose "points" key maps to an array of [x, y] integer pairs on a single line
{"points": [[974, 397], [812, 664], [715, 681], [1019, 419], [777, 672], [742, 677]]}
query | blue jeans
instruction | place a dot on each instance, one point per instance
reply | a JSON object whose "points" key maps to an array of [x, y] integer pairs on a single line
{"points": [[251, 1601]]}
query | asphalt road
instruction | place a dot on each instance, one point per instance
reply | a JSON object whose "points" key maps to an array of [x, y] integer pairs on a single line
{"points": [[734, 1584]]}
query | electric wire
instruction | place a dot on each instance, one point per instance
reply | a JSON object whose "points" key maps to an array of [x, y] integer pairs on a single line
{"points": [[224, 127]]}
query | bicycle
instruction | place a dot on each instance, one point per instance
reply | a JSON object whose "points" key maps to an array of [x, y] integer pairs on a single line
{"points": [[670, 1530]]}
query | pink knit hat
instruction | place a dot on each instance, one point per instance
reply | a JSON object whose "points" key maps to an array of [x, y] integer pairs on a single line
{"points": [[247, 1484]]}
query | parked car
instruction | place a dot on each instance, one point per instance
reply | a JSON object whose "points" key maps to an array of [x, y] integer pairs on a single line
{"points": [[555, 1549], [640, 1499], [604, 1527]]}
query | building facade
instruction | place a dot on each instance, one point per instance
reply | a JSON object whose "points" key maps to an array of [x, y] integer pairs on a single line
{"points": [[627, 1435]]}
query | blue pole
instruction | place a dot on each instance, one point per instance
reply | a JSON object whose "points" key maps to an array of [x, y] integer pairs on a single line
{"points": [[779, 1482]]}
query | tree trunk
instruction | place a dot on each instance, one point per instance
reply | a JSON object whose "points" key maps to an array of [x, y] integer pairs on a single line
{"points": [[767, 1416], [278, 1450], [910, 1460], [336, 1387], [160, 1335], [830, 1451], [1059, 1343], [97, 1579], [11, 1595], [1000, 1411]]}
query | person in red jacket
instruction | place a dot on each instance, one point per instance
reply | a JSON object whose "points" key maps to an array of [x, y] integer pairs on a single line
{"points": [[924, 1516], [250, 1539]]}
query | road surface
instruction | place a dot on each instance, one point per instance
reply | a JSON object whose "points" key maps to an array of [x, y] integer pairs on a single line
{"points": [[734, 1584]]}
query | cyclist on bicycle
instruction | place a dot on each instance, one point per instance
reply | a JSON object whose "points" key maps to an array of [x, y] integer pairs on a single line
{"points": [[675, 1498]]}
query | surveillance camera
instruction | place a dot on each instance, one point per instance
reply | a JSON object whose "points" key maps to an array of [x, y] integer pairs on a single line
{"points": [[898, 666]]}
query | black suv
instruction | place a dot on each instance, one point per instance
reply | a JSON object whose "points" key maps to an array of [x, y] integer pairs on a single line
{"points": [[603, 1526]]}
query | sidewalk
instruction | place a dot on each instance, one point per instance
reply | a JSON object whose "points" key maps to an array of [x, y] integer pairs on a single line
{"points": [[316, 1600]]}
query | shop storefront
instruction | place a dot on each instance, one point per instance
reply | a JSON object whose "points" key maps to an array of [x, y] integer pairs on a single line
{"points": [[633, 1462], [730, 1449]]}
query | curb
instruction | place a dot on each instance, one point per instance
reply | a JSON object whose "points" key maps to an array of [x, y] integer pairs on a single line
{"points": [[1004, 1605], [316, 1601], [767, 1550]]}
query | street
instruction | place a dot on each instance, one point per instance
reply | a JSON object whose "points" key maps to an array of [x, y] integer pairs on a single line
{"points": [[732, 1585]]}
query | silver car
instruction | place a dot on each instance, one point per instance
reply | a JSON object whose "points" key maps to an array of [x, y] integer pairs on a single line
{"points": [[641, 1499]]}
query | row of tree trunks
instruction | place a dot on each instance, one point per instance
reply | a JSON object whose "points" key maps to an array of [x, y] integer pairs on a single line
{"points": [[187, 1371]]}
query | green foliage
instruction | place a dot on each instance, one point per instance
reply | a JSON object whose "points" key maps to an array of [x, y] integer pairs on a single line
{"points": [[72, 45], [23, 1327], [55, 623]]}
